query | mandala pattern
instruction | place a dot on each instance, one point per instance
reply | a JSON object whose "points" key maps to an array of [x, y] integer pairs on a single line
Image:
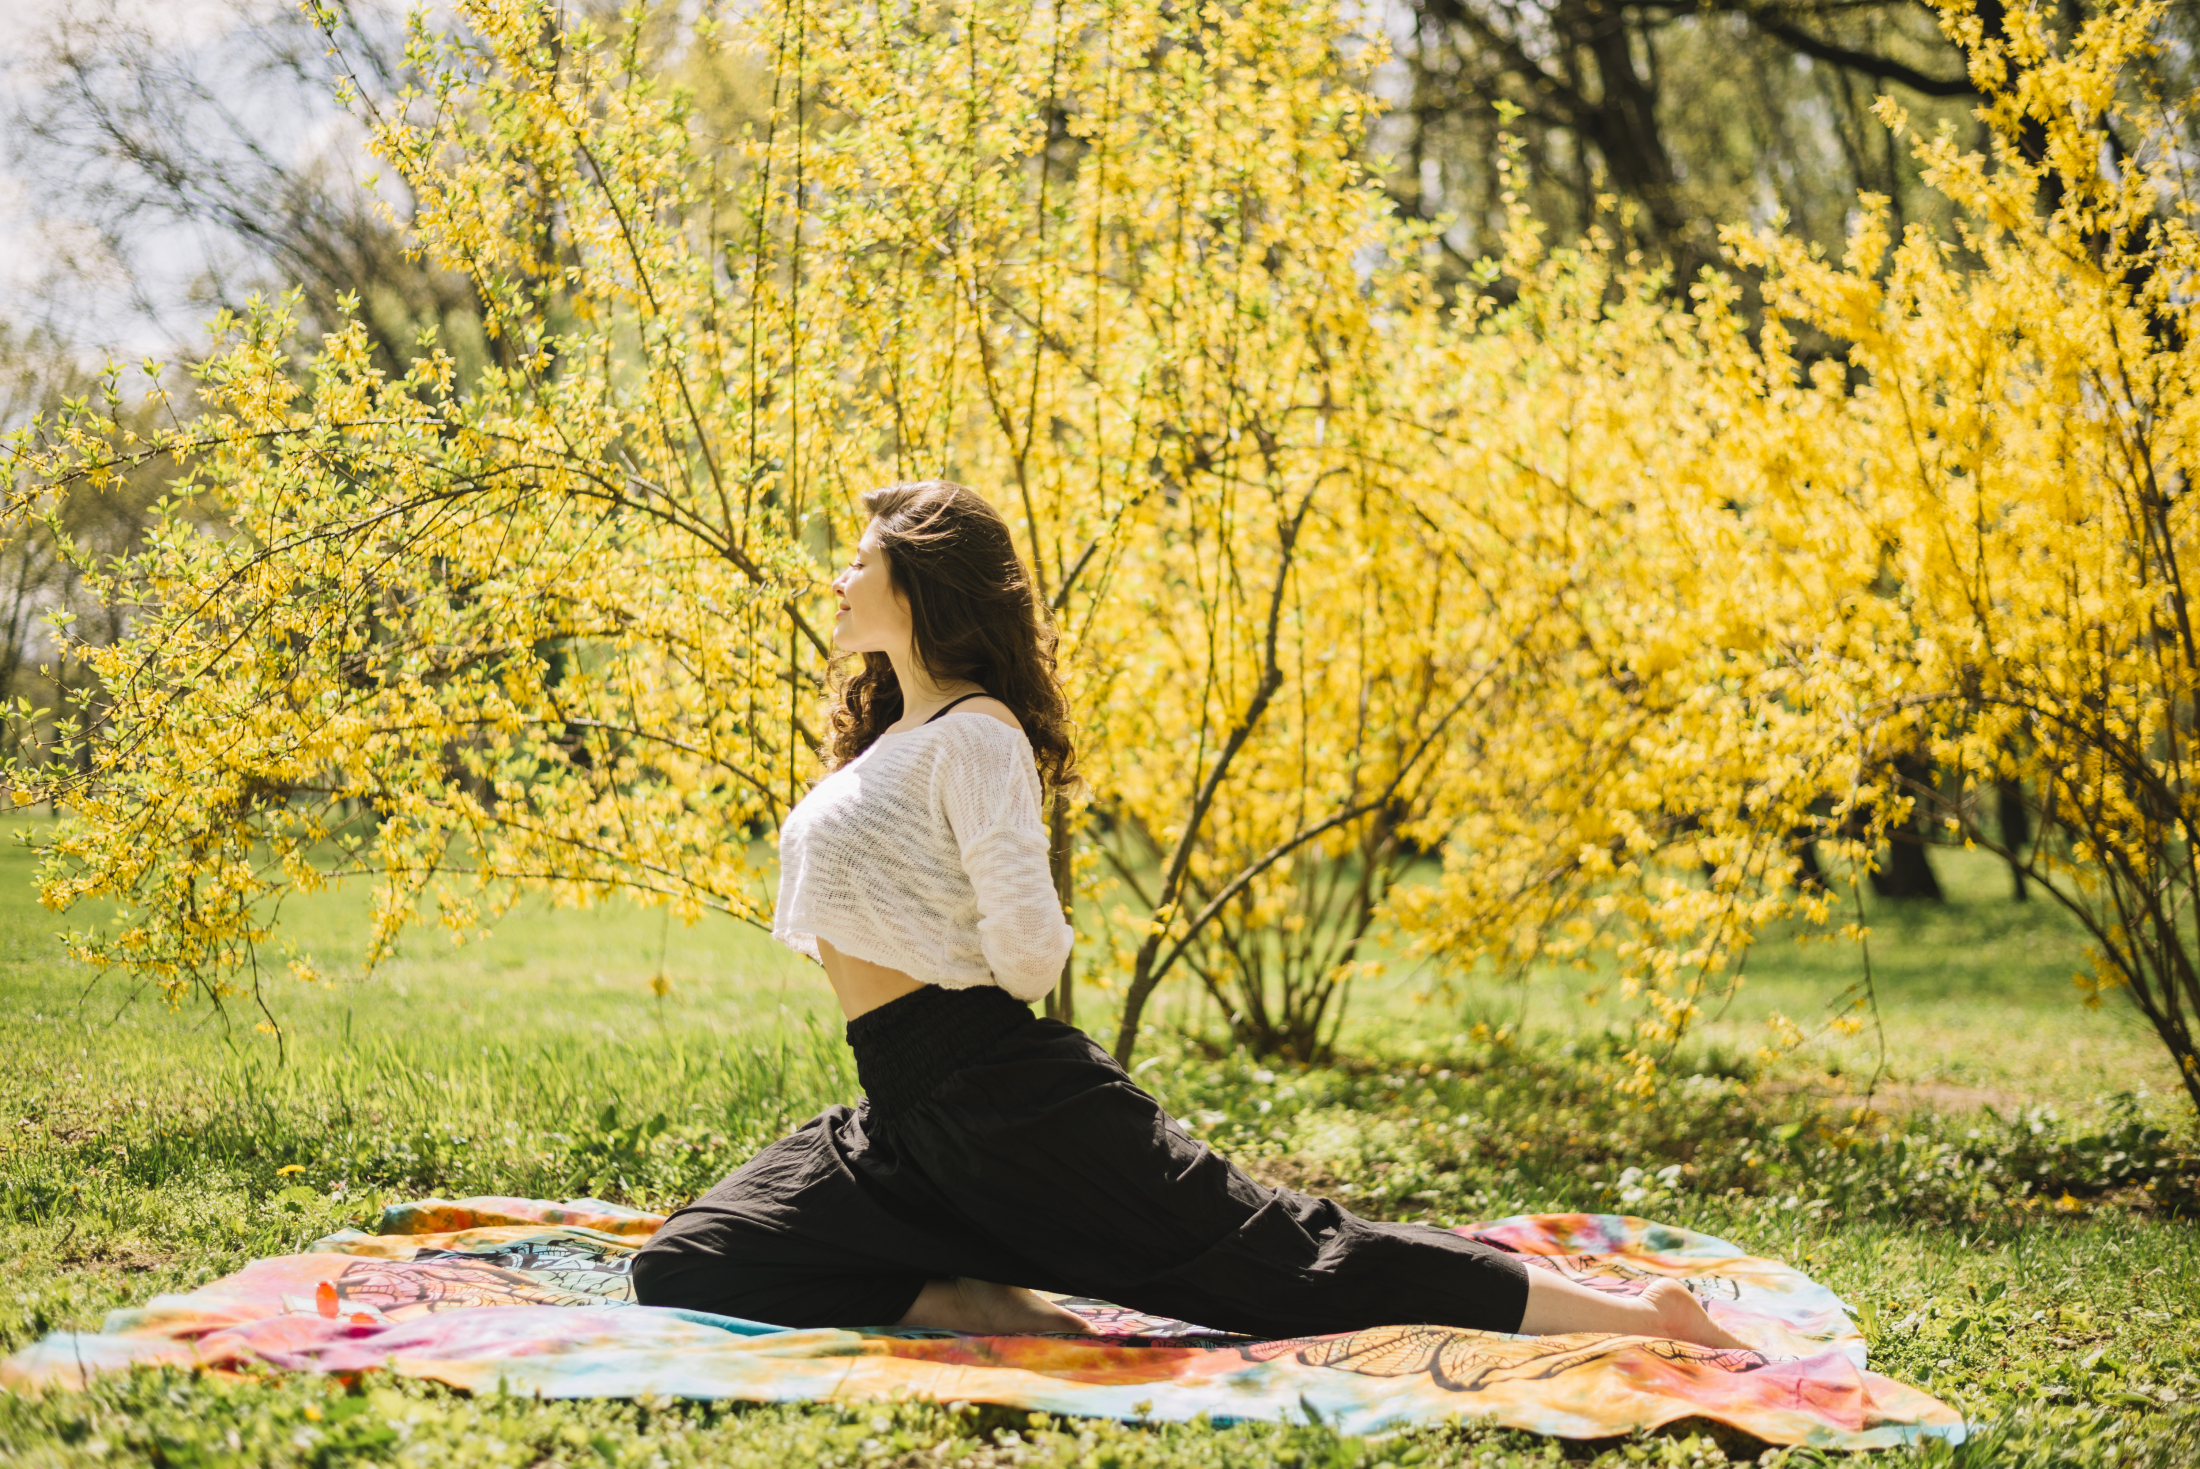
{"points": [[1470, 1361], [578, 1269], [448, 1282]]}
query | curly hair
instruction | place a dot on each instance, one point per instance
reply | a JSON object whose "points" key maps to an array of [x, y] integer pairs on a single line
{"points": [[975, 616]]}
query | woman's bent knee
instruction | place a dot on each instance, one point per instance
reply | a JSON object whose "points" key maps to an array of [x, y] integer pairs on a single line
{"points": [[656, 1275]]}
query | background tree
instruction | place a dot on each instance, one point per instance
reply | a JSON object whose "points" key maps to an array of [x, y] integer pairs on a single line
{"points": [[193, 161], [1690, 116], [42, 566], [1687, 115]]}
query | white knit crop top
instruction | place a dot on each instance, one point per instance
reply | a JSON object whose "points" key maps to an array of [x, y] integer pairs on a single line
{"points": [[926, 854]]}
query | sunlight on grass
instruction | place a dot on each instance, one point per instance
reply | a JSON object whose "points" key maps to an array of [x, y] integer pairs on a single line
{"points": [[1977, 1003]]}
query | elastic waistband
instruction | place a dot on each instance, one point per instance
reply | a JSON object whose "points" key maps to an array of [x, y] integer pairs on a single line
{"points": [[907, 1047]]}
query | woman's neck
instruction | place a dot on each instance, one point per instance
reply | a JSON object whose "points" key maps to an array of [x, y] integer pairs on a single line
{"points": [[921, 696]]}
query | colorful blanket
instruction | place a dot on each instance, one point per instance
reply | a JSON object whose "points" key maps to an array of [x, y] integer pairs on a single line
{"points": [[534, 1298]]}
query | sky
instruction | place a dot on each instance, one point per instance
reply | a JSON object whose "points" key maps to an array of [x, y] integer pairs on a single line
{"points": [[23, 257], [55, 270]]}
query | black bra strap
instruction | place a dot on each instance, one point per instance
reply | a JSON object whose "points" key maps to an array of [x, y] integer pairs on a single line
{"points": [[966, 698]]}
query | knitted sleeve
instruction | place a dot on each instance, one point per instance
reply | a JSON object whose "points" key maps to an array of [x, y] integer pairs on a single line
{"points": [[989, 790]]}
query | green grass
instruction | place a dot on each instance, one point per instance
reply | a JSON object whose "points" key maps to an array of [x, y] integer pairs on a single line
{"points": [[2004, 1221]]}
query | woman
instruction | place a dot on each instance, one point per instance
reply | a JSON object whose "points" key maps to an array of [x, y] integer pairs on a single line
{"points": [[995, 1154]]}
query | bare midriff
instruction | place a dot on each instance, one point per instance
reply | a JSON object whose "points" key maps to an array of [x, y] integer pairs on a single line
{"points": [[860, 985]]}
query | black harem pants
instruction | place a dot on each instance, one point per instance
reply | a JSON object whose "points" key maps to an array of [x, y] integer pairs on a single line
{"points": [[995, 1145]]}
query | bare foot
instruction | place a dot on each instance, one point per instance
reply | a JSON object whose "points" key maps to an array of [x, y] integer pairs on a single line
{"points": [[1558, 1306], [982, 1308], [1676, 1313]]}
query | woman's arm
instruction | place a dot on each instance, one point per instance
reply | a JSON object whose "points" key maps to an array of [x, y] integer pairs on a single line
{"points": [[990, 791]]}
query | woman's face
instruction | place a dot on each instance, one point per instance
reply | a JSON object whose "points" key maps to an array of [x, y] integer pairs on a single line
{"points": [[874, 617]]}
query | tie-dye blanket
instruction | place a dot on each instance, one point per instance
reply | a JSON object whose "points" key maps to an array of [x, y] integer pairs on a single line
{"points": [[482, 1293]]}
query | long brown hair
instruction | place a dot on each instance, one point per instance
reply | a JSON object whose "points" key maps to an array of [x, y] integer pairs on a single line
{"points": [[975, 616]]}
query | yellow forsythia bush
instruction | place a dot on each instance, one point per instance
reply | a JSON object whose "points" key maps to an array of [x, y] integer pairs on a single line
{"points": [[2006, 492], [1608, 603]]}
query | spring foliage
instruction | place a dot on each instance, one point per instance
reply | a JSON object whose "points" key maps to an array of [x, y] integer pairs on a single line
{"points": [[1610, 602], [2013, 479]]}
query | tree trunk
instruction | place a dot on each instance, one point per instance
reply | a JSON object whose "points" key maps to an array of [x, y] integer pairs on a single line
{"points": [[1810, 873], [1622, 124], [1907, 873], [2016, 831]]}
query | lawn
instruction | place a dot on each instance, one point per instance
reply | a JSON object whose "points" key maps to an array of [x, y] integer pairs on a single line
{"points": [[2004, 1214]]}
